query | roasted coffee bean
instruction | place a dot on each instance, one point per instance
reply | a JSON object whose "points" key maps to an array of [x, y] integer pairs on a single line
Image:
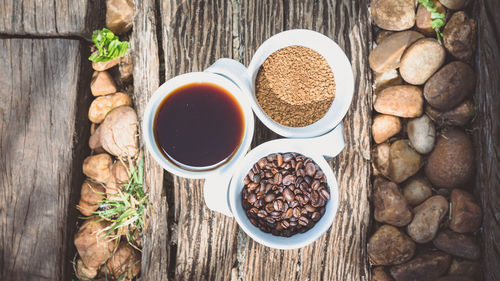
{"points": [[288, 195], [269, 208], [301, 173], [255, 170], [310, 208], [271, 157], [303, 221], [252, 198], [310, 169], [297, 212], [278, 178], [269, 197], [270, 220], [299, 198], [308, 180], [314, 197], [285, 194], [289, 179], [298, 166], [324, 194], [316, 203], [285, 207], [298, 181], [262, 214], [288, 214], [261, 203], [285, 224], [315, 184], [276, 214], [287, 157], [256, 178], [315, 216], [278, 205], [251, 186], [279, 159], [262, 162]]}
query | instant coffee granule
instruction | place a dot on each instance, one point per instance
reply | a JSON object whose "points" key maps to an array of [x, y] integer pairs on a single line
{"points": [[295, 86]]}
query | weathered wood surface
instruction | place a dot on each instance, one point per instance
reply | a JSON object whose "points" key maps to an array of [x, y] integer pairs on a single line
{"points": [[38, 107], [195, 34], [339, 254], [144, 47], [209, 246], [487, 131], [51, 18]]}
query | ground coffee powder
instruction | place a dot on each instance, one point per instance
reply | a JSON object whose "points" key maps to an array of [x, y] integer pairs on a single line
{"points": [[295, 86]]}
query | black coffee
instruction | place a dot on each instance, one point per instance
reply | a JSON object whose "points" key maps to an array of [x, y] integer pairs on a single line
{"points": [[285, 194], [199, 125]]}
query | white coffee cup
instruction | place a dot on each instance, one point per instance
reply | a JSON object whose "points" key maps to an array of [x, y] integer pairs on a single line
{"points": [[241, 95]]}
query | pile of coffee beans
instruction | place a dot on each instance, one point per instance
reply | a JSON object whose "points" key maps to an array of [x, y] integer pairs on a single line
{"points": [[285, 194]]}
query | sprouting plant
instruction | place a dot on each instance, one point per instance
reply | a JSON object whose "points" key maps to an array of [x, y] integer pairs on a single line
{"points": [[108, 46], [438, 19], [126, 211]]}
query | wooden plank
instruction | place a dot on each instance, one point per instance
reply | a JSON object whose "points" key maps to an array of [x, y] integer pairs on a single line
{"points": [[51, 18], [340, 254], [487, 131], [37, 121], [195, 34], [144, 47]]}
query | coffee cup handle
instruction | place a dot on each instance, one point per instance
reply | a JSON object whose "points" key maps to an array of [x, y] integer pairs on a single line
{"points": [[330, 144], [234, 71], [216, 193]]}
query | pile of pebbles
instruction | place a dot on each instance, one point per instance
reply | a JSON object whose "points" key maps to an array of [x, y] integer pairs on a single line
{"points": [[427, 217], [114, 145], [285, 194]]}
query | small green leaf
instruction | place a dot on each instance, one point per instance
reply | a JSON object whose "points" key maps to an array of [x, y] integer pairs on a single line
{"points": [[108, 46]]}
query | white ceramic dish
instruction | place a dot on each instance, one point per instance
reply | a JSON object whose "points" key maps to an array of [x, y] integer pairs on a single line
{"points": [[300, 239], [342, 72]]}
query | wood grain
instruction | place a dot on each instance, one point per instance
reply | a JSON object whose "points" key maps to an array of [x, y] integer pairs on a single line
{"points": [[37, 121], [145, 59], [195, 34], [340, 254], [51, 18], [487, 131]]}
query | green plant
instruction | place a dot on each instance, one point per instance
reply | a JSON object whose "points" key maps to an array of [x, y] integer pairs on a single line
{"points": [[126, 212], [108, 46], [438, 19]]}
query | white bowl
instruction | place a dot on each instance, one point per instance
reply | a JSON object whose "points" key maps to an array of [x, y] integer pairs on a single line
{"points": [[300, 239], [241, 96], [342, 72]]}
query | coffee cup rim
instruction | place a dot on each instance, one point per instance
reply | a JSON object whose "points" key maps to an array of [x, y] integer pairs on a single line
{"points": [[168, 88]]}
